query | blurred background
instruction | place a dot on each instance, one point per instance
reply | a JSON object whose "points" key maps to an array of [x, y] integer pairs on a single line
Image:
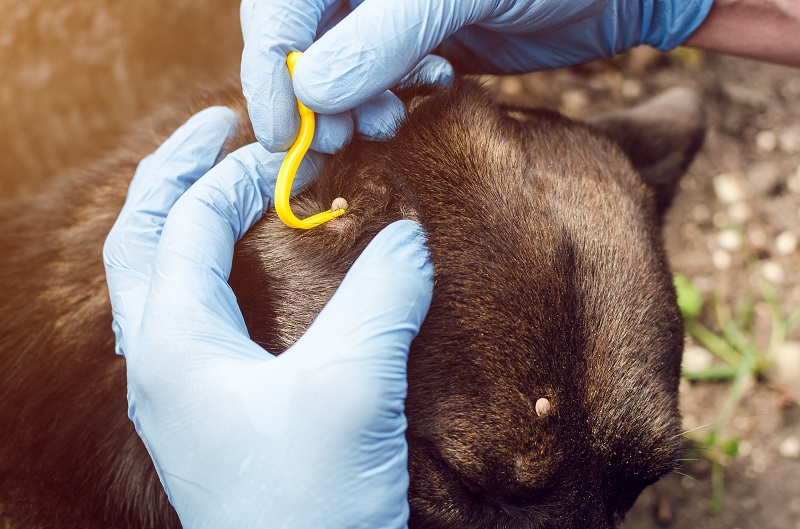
{"points": [[76, 75]]}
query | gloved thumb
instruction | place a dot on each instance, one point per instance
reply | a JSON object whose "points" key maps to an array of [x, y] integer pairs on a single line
{"points": [[351, 365], [433, 70], [379, 307]]}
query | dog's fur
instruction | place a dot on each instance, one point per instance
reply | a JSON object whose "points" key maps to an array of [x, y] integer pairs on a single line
{"points": [[550, 282]]}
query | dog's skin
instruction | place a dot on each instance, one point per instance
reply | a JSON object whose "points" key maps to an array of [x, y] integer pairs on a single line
{"points": [[551, 282]]}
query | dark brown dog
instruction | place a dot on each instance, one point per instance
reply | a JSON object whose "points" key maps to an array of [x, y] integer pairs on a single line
{"points": [[551, 283]]}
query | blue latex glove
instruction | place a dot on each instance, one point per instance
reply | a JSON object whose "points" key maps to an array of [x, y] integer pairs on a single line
{"points": [[271, 30], [311, 439], [370, 48]]}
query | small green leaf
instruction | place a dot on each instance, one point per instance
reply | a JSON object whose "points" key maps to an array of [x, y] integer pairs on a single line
{"points": [[690, 300], [730, 447], [715, 372]]}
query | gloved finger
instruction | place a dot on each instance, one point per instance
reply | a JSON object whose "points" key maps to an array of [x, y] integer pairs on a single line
{"points": [[351, 365], [160, 179], [378, 118], [369, 323], [374, 47], [273, 29], [332, 132], [432, 70], [190, 302]]}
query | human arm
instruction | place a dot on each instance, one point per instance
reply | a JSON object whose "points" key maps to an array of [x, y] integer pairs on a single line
{"points": [[312, 438], [760, 29]]}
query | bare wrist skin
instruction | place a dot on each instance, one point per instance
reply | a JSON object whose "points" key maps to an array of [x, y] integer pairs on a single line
{"points": [[760, 29]]}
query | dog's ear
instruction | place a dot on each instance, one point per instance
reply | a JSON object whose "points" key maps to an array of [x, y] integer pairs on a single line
{"points": [[660, 136]]}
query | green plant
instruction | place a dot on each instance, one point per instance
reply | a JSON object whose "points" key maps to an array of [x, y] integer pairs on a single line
{"points": [[730, 337]]}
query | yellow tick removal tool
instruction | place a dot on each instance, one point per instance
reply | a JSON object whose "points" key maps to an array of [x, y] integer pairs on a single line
{"points": [[294, 156]]}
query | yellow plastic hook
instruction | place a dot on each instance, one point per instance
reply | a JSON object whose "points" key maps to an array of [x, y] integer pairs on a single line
{"points": [[283, 186]]}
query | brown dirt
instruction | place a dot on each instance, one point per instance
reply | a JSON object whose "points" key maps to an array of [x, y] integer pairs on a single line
{"points": [[76, 74]]}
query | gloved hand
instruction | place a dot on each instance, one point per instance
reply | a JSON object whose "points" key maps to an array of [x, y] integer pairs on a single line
{"points": [[271, 30], [311, 439], [358, 55]]}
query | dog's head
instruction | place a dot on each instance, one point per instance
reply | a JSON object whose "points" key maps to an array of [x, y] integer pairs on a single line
{"points": [[543, 385]]}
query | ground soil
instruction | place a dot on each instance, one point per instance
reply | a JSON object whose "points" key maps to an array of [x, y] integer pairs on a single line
{"points": [[736, 218]]}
